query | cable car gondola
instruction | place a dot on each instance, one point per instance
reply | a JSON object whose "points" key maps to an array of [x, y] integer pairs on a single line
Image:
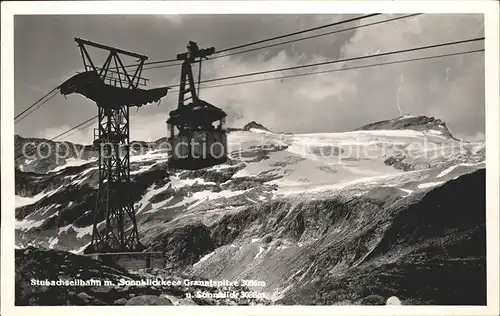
{"points": [[197, 133]]}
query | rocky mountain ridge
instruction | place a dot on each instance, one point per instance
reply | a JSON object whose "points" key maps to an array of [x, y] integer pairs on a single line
{"points": [[411, 122], [29, 159]]}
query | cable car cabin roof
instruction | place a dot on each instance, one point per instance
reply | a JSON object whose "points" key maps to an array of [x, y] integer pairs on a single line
{"points": [[90, 85], [198, 113]]}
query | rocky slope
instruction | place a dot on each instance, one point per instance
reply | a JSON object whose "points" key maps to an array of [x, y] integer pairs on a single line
{"points": [[116, 287], [418, 123], [249, 127], [254, 125], [432, 252], [334, 218]]}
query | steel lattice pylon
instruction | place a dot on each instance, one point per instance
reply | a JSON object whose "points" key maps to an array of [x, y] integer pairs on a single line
{"points": [[114, 183], [114, 205]]}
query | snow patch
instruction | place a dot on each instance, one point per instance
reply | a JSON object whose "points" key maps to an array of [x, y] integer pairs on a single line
{"points": [[450, 169], [408, 192], [64, 229], [359, 134], [82, 231], [148, 156], [52, 242], [82, 177], [305, 273], [472, 164], [80, 250], [205, 257], [71, 162], [27, 224], [393, 300], [207, 196], [434, 132], [157, 206], [406, 117], [446, 171], [259, 131], [141, 205], [261, 250], [23, 201], [178, 183], [429, 184]]}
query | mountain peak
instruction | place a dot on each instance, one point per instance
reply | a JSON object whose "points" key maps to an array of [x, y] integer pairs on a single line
{"points": [[418, 123], [254, 125]]}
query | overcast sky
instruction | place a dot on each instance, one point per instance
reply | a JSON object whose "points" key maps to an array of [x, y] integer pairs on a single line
{"points": [[450, 88]]}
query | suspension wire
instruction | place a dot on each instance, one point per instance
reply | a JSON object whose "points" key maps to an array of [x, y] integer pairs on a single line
{"points": [[345, 60], [343, 69], [37, 104], [90, 120], [266, 40]]}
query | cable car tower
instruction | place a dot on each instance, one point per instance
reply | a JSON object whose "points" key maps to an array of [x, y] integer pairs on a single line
{"points": [[197, 128], [114, 90]]}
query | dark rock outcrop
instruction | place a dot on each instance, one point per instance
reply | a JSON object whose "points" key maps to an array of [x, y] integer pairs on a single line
{"points": [[35, 267], [255, 125], [186, 245], [416, 123]]}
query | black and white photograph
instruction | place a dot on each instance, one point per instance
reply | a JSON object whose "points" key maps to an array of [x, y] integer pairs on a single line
{"points": [[252, 160]]}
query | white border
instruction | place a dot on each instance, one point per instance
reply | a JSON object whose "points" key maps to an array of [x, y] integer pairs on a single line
{"points": [[489, 8]]}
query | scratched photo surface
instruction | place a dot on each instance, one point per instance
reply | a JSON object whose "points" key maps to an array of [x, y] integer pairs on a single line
{"points": [[250, 159]]}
